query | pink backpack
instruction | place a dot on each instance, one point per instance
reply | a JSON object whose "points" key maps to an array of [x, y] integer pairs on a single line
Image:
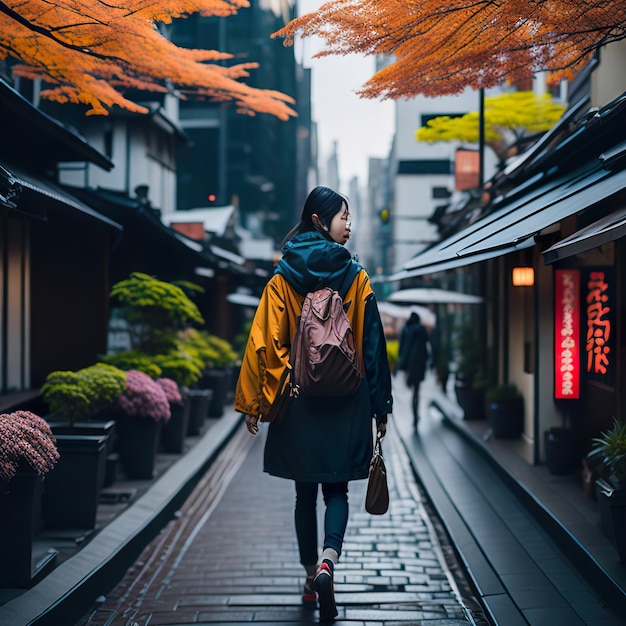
{"points": [[323, 355]]}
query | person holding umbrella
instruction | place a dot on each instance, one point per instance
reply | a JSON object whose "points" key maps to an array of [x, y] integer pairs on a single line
{"points": [[413, 356]]}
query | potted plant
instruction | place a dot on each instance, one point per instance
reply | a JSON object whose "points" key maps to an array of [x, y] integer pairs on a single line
{"points": [[610, 449], [27, 453], [146, 408], [179, 371], [71, 494], [81, 395], [186, 370], [218, 358], [470, 382], [155, 311], [505, 411]]}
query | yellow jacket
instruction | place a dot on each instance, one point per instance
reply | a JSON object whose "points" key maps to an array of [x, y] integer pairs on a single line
{"points": [[273, 329]]}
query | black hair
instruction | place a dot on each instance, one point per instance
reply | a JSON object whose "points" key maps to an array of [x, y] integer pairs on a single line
{"points": [[323, 202]]}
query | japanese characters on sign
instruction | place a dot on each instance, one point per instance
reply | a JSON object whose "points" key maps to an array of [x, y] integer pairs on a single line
{"points": [[567, 335], [599, 305]]}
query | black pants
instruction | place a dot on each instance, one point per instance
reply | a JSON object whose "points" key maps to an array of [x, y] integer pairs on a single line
{"points": [[415, 402], [335, 518]]}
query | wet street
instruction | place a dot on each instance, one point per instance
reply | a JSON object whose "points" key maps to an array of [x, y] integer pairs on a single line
{"points": [[231, 556]]}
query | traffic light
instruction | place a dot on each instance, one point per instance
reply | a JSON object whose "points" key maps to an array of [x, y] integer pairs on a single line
{"points": [[384, 216]]}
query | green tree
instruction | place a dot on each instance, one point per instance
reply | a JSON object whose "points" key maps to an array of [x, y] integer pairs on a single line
{"points": [[508, 117]]}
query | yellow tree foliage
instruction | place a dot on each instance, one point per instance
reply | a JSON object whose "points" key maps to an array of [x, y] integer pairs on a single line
{"points": [[89, 51], [508, 117], [442, 47]]}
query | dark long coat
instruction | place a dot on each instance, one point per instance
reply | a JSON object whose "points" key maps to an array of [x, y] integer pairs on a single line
{"points": [[413, 351], [323, 439]]}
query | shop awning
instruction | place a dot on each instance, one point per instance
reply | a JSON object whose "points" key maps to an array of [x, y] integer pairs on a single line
{"points": [[515, 225], [602, 231], [33, 196], [49, 141], [426, 295]]}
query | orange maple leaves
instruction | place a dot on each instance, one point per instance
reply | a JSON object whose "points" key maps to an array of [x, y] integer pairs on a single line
{"points": [[89, 51], [443, 47]]}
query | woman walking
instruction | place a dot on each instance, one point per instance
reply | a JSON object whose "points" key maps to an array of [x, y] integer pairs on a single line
{"points": [[319, 440]]}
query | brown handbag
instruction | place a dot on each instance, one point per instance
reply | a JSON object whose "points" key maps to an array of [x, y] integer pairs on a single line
{"points": [[377, 496], [283, 396]]}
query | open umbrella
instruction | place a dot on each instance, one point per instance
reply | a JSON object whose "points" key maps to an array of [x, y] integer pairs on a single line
{"points": [[243, 299], [425, 295], [397, 311]]}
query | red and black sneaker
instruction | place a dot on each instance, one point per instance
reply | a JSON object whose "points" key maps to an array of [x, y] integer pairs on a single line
{"points": [[309, 597], [323, 584]]}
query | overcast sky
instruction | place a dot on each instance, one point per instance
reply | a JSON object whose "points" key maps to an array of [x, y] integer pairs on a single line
{"points": [[362, 128]]}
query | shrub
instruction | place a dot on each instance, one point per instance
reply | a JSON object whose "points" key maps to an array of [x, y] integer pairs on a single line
{"points": [[501, 392], [144, 396], [180, 366], [80, 394], [212, 351], [25, 438], [610, 449], [154, 310], [169, 386], [134, 360]]}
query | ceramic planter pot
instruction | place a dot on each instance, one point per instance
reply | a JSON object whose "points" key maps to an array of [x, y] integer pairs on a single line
{"points": [[199, 401], [506, 417], [472, 401], [561, 450], [173, 433], [104, 426], [138, 442], [219, 381], [72, 489], [612, 501], [17, 530]]}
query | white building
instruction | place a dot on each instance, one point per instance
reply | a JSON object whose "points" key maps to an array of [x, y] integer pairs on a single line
{"points": [[423, 173]]}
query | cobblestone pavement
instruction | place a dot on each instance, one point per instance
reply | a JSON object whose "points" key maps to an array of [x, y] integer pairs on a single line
{"points": [[231, 556]]}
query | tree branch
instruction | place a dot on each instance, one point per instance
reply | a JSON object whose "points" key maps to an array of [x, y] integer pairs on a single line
{"points": [[46, 33]]}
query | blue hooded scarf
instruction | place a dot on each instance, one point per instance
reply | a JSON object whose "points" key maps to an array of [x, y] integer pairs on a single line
{"points": [[310, 262]]}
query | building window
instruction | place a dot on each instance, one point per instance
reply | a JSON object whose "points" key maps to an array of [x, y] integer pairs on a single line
{"points": [[441, 192], [425, 166], [108, 143], [431, 116]]}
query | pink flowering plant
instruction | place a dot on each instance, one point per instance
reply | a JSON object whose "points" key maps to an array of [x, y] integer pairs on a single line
{"points": [[144, 396], [25, 438], [169, 386]]}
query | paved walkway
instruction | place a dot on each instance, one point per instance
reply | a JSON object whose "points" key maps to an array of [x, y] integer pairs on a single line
{"points": [[524, 568], [231, 557], [528, 541]]}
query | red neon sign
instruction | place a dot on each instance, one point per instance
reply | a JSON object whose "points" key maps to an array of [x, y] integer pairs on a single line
{"points": [[598, 324], [567, 335]]}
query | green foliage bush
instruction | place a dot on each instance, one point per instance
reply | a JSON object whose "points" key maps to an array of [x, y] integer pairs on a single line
{"points": [[502, 392], [610, 449], [472, 355], [155, 310], [81, 394], [180, 367], [212, 351], [134, 360]]}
